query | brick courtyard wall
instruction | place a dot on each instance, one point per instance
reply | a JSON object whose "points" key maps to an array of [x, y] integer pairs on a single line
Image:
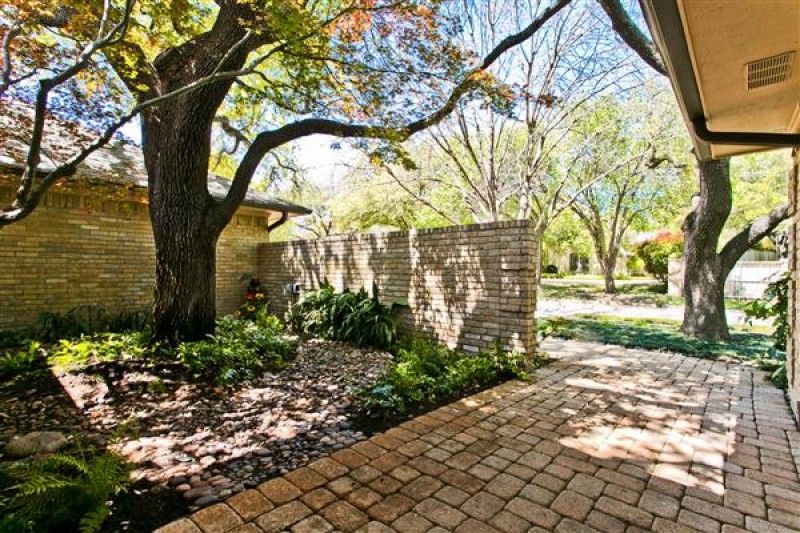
{"points": [[793, 342], [77, 249], [463, 285]]}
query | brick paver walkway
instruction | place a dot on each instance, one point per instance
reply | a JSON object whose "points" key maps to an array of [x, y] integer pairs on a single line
{"points": [[603, 439]]}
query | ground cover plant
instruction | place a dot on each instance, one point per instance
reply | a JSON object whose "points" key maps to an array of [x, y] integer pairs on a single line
{"points": [[245, 344], [239, 350], [631, 294], [16, 362], [354, 317], [63, 492], [652, 334], [425, 374]]}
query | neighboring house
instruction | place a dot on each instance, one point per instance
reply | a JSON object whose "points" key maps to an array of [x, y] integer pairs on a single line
{"points": [[90, 240]]}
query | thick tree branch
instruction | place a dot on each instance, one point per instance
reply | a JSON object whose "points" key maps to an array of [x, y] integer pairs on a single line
{"points": [[750, 235], [5, 47], [46, 85], [269, 140], [627, 29]]}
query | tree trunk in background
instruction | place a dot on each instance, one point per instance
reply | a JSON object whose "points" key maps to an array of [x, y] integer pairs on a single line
{"points": [[609, 265], [606, 258], [704, 274]]}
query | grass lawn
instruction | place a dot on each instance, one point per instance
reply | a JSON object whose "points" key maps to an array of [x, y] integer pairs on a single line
{"points": [[655, 335], [626, 294]]}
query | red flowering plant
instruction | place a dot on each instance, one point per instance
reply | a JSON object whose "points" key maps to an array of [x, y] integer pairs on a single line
{"points": [[255, 300]]}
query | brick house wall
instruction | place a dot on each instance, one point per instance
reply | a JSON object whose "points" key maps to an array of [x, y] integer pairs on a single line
{"points": [[793, 342], [464, 285], [82, 249]]}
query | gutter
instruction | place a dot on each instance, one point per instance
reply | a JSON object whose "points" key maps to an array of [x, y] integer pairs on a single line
{"points": [[665, 24], [749, 138], [278, 223]]}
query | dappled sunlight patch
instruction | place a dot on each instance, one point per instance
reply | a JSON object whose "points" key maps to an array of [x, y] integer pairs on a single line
{"points": [[208, 442], [672, 416]]}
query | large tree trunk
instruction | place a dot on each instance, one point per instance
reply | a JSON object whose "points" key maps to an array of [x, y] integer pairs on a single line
{"points": [[176, 147], [184, 306], [186, 220], [704, 274], [704, 288]]}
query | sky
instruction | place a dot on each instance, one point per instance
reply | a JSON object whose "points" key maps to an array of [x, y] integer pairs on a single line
{"points": [[324, 166]]}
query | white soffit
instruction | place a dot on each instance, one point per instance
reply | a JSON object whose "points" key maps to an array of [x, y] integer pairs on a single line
{"points": [[747, 64]]}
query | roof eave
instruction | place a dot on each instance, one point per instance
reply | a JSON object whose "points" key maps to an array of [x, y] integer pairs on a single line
{"points": [[276, 206], [666, 26], [664, 20]]}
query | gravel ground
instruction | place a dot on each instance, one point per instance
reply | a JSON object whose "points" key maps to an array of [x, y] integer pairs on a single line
{"points": [[206, 443]]}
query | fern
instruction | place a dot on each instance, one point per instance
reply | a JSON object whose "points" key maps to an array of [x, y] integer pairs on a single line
{"points": [[348, 316], [62, 492]]}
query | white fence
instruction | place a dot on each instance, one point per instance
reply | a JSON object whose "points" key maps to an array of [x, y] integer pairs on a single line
{"points": [[747, 280]]}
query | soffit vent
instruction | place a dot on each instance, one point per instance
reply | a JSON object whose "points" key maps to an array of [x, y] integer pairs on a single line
{"points": [[769, 71]]}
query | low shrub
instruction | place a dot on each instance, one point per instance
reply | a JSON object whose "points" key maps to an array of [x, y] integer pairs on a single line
{"points": [[19, 361], [774, 304], [774, 363], [656, 252], [86, 349], [550, 269], [635, 265], [353, 317], [64, 492], [15, 338], [425, 374], [239, 350]]}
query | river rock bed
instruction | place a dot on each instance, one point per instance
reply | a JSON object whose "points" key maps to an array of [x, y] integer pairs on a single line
{"points": [[203, 441]]}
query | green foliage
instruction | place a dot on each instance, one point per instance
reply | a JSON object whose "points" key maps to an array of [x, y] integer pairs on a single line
{"points": [[653, 335], [353, 317], [655, 253], [425, 373], [759, 184], [774, 362], [635, 265], [156, 387], [14, 338], [64, 492], [74, 353], [550, 269], [88, 319], [239, 350], [20, 361], [774, 304]]}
